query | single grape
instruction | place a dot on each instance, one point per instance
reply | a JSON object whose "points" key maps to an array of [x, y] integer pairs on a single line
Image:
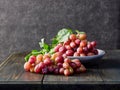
{"points": [[68, 47], [77, 41], [93, 43], [73, 45], [62, 49], [66, 72], [60, 65], [67, 60], [56, 71], [41, 65], [69, 52], [59, 59], [27, 66], [47, 61], [32, 59], [76, 54], [83, 43], [79, 49], [72, 37], [37, 69], [73, 65], [50, 69], [66, 65], [61, 70]]}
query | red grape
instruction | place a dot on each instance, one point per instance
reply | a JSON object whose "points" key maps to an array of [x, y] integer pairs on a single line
{"points": [[83, 43], [62, 49], [72, 37], [73, 65], [93, 43], [47, 61], [50, 69], [85, 50], [67, 60], [69, 52], [79, 49], [66, 65], [37, 69], [66, 72], [32, 59], [61, 70], [56, 71], [45, 70], [72, 44], [76, 54], [68, 47], [27, 66], [41, 65], [64, 55], [67, 42], [60, 65], [89, 46], [59, 59], [56, 49], [77, 41]]}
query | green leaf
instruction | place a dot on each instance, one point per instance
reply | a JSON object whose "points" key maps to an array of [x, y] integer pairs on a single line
{"points": [[27, 57], [63, 35]]}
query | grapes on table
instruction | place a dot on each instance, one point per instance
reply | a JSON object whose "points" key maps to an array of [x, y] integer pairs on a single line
{"points": [[58, 61]]}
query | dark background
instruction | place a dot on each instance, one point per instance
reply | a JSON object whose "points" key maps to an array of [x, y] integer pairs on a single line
{"points": [[24, 22]]}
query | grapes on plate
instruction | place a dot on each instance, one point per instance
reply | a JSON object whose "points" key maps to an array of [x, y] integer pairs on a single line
{"points": [[75, 45]]}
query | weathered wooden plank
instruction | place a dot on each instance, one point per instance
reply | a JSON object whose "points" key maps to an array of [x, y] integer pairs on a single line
{"points": [[109, 68], [12, 71], [90, 77]]}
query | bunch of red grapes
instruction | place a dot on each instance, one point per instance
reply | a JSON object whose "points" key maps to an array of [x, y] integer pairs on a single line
{"points": [[58, 62]]}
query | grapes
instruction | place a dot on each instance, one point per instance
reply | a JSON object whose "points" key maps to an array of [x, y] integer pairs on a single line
{"points": [[27, 66], [56, 49], [58, 61]]}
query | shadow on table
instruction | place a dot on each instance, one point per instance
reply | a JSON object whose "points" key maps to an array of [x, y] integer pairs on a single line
{"points": [[104, 64]]}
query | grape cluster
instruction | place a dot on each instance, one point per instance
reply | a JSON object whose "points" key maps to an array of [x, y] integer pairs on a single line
{"points": [[46, 64], [58, 62]]}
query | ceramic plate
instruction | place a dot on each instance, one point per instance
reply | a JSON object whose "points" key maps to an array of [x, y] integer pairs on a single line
{"points": [[84, 59]]}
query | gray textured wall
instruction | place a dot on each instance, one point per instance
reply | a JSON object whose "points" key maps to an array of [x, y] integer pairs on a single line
{"points": [[24, 22]]}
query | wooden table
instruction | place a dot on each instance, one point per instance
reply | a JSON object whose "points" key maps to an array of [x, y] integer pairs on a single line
{"points": [[103, 74]]}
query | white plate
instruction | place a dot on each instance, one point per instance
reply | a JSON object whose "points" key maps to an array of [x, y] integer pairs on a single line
{"points": [[84, 59]]}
